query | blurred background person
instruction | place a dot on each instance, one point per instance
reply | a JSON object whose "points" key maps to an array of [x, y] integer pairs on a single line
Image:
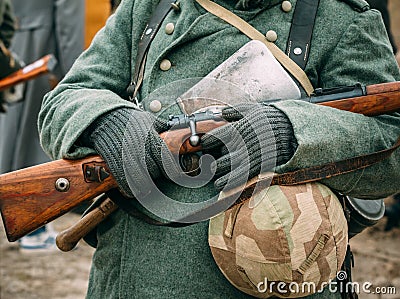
{"points": [[44, 27], [8, 61]]}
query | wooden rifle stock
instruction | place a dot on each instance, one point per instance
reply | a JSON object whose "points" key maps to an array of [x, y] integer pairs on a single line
{"points": [[44, 65], [31, 197]]}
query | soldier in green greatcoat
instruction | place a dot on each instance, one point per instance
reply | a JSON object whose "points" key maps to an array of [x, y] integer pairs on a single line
{"points": [[88, 113], [7, 28], [8, 63]]}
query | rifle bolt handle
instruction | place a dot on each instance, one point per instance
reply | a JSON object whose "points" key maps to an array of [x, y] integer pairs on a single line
{"points": [[194, 140]]}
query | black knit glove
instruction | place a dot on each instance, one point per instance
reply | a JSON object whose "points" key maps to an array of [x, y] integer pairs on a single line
{"points": [[259, 138], [129, 142]]}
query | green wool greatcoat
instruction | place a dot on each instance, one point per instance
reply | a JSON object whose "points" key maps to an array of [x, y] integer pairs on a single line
{"points": [[349, 45]]}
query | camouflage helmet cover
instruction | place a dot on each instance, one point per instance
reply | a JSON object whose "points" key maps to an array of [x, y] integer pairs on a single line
{"points": [[293, 235]]}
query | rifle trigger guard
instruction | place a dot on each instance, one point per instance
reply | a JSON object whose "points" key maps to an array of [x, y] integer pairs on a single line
{"points": [[94, 172]]}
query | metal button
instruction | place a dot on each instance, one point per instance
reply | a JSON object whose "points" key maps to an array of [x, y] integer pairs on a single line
{"points": [[148, 31], [271, 36], [286, 6], [155, 106], [169, 28], [176, 6], [297, 51], [165, 65]]}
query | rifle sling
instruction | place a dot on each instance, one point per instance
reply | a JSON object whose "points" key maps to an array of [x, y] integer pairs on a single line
{"points": [[301, 176]]}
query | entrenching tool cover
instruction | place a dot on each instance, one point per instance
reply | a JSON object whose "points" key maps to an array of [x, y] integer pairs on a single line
{"points": [[252, 69]]}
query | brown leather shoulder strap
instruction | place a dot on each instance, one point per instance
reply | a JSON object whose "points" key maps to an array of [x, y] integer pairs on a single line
{"points": [[329, 170]]}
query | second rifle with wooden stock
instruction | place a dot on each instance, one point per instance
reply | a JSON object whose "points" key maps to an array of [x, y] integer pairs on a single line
{"points": [[34, 196], [43, 65]]}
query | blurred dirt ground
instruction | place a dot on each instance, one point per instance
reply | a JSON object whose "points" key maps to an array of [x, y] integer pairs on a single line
{"points": [[377, 261], [60, 275], [52, 275]]}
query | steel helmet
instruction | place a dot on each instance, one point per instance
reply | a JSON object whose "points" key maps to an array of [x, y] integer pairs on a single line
{"points": [[290, 244]]}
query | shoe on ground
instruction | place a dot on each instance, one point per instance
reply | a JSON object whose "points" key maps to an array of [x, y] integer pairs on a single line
{"points": [[42, 242]]}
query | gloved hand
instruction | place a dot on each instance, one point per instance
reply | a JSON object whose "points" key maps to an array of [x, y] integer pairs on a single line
{"points": [[129, 142], [259, 138]]}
